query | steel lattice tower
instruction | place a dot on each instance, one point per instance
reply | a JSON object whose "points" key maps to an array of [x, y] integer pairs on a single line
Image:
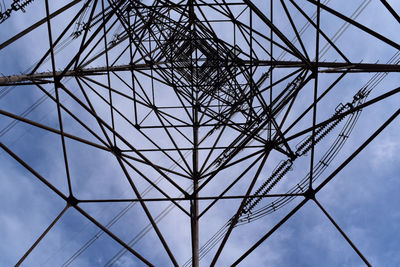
{"points": [[195, 112]]}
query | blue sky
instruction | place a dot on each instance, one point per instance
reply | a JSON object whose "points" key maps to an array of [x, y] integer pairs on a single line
{"points": [[362, 198]]}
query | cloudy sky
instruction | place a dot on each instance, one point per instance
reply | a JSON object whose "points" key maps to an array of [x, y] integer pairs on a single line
{"points": [[362, 198]]}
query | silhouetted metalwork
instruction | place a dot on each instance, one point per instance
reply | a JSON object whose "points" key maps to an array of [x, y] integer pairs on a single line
{"points": [[199, 92]]}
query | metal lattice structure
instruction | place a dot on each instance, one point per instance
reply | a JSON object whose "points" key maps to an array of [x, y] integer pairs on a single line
{"points": [[192, 112]]}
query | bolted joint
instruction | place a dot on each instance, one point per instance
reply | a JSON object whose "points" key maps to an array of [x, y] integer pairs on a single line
{"points": [[150, 63], [57, 82], [314, 71], [197, 106], [187, 196], [310, 194], [270, 144], [72, 201], [117, 151]]}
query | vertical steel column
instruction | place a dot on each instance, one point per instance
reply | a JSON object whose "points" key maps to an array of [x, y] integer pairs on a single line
{"points": [[194, 210]]}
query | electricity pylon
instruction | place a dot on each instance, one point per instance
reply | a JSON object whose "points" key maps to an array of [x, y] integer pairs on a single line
{"points": [[201, 106]]}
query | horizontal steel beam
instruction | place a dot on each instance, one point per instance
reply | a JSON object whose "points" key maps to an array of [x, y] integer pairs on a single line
{"points": [[322, 66]]}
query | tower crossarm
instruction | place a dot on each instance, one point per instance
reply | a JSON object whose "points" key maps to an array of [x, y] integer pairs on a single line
{"points": [[322, 66]]}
